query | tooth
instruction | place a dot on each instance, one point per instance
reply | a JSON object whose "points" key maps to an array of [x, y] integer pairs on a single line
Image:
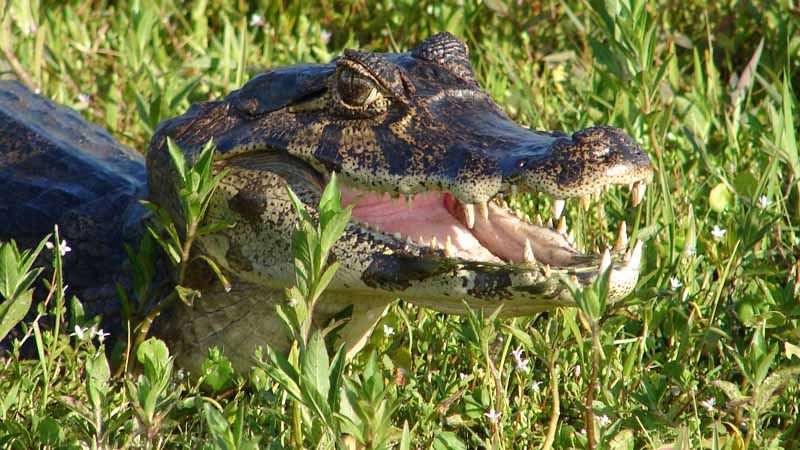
{"points": [[550, 223], [422, 241], [562, 226], [538, 219], [622, 237], [636, 256], [434, 243], [484, 210], [547, 271], [514, 190], [503, 203], [637, 191], [409, 241], [584, 202], [469, 209], [449, 250], [409, 201], [558, 208], [527, 256], [605, 261], [397, 235], [574, 278], [375, 227]]}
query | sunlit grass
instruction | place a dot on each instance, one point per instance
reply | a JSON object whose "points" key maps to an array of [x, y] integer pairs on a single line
{"points": [[704, 354]]}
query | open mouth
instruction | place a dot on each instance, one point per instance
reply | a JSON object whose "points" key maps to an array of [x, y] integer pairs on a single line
{"points": [[488, 233]]}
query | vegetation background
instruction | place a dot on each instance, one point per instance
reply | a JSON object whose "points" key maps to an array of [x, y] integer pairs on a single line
{"points": [[704, 354]]}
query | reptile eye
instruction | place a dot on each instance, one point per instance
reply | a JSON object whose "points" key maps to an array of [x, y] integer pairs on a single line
{"points": [[355, 90]]}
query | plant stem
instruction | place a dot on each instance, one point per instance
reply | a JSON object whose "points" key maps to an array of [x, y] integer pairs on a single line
{"points": [[556, 413], [590, 434]]}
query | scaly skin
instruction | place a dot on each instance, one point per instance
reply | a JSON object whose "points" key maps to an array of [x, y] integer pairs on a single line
{"points": [[415, 126], [408, 124]]}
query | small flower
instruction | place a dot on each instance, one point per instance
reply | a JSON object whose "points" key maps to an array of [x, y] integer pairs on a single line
{"points": [[718, 232], [292, 302], [181, 374], [535, 385], [708, 404], [84, 98], [256, 20], [493, 415], [522, 363], [80, 332], [603, 421], [462, 376], [99, 334], [325, 36], [675, 283], [690, 251], [764, 202], [387, 330], [578, 370], [63, 248]]}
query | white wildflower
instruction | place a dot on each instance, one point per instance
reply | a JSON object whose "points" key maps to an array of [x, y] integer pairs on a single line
{"points": [[708, 404], [578, 370], [675, 283], [603, 421], [63, 248], [99, 334], [690, 251], [387, 330], [292, 302], [325, 36], [256, 20], [462, 376], [764, 202], [718, 232], [80, 332], [521, 363], [493, 415]]}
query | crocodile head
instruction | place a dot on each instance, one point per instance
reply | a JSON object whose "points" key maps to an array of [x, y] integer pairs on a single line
{"points": [[427, 155]]}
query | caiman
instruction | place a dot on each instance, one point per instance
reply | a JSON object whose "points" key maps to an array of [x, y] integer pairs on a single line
{"points": [[426, 153]]}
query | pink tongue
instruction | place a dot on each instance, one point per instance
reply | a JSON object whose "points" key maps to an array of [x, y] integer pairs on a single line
{"points": [[428, 218]]}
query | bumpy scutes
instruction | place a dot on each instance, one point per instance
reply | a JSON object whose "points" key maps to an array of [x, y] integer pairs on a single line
{"points": [[429, 156]]}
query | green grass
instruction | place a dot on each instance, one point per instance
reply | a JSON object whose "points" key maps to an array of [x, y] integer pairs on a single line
{"points": [[704, 353]]}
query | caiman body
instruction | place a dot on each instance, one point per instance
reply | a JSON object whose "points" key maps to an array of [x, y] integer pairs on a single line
{"points": [[427, 155]]}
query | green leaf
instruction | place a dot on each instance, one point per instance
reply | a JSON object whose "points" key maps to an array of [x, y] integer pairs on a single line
{"points": [[217, 271], [447, 440], [283, 373], [315, 364], [720, 198], [153, 354], [217, 370], [13, 311], [178, 160], [98, 374], [405, 437], [49, 431], [219, 427]]}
